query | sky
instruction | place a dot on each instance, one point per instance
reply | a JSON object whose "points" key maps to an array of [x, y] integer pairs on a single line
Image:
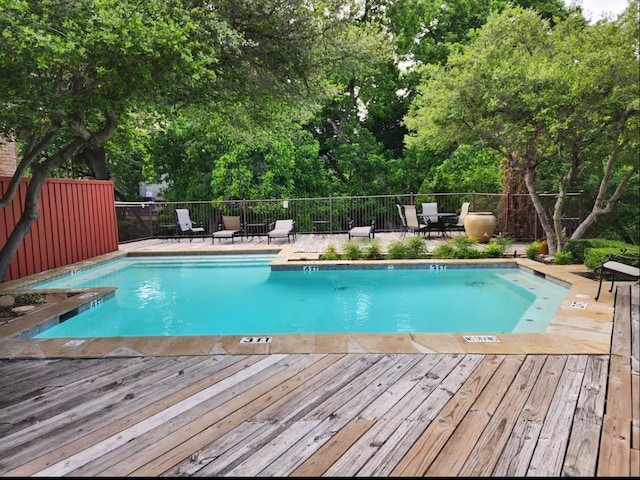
{"points": [[594, 10]]}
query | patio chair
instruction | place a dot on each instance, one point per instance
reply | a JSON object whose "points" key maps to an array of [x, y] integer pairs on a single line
{"points": [[368, 231], [618, 267], [186, 226], [281, 229], [403, 220], [464, 210], [413, 224], [430, 216], [230, 227]]}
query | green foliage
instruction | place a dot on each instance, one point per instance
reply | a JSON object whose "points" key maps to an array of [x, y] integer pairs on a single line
{"points": [[445, 250], [71, 71], [594, 257], [352, 250], [493, 249], [416, 247], [28, 298], [462, 247], [371, 250], [503, 240], [468, 169], [397, 249], [562, 258], [537, 89], [331, 253], [576, 249], [531, 251], [465, 247]]}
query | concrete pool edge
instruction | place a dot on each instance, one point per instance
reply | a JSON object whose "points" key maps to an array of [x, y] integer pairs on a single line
{"points": [[580, 326]]}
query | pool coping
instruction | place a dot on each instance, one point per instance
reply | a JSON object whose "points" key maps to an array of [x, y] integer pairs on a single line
{"points": [[580, 325]]}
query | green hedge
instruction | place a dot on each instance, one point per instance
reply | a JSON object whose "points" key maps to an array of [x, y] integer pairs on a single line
{"points": [[593, 251]]}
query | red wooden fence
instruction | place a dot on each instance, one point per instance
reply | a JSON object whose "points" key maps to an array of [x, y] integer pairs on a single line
{"points": [[77, 221]]}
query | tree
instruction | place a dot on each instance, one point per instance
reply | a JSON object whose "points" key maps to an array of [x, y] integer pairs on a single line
{"points": [[560, 102], [71, 70]]}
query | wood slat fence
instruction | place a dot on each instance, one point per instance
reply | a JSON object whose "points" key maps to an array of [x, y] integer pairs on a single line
{"points": [[77, 221]]}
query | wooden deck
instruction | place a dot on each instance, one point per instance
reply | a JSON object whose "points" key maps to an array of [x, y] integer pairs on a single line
{"points": [[328, 414]]}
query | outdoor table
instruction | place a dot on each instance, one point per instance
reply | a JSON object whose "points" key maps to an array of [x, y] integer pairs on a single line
{"points": [[255, 230], [321, 227], [442, 218], [169, 232]]}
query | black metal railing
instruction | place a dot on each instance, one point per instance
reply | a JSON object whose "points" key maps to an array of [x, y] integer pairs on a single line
{"points": [[514, 212]]}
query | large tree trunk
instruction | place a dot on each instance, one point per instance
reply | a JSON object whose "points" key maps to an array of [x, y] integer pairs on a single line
{"points": [[28, 218], [545, 223], [94, 156]]}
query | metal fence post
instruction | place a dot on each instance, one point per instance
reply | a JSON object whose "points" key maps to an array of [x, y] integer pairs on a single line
{"points": [[580, 205], [330, 214]]}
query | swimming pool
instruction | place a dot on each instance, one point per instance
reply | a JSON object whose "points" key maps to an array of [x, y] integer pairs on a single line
{"points": [[242, 295]]}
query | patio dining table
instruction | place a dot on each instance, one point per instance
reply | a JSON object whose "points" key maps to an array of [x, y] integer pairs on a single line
{"points": [[442, 221]]}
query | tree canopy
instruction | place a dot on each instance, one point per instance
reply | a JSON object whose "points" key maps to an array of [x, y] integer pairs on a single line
{"points": [[557, 101], [72, 69], [277, 98]]}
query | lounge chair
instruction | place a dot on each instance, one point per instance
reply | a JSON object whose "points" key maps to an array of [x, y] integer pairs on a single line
{"points": [[618, 267], [413, 224], [369, 231], [281, 229], [230, 227], [186, 226], [464, 210]]}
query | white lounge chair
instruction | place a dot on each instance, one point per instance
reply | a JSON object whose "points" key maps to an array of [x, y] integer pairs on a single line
{"points": [[369, 231], [618, 270], [282, 229], [186, 226], [230, 227]]}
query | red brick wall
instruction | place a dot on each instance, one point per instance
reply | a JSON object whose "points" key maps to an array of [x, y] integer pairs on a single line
{"points": [[8, 158]]}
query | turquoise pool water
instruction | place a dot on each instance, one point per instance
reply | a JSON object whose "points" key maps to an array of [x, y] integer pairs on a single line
{"points": [[241, 295]]}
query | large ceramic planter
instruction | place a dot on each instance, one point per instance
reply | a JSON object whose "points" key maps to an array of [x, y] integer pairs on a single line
{"points": [[477, 224]]}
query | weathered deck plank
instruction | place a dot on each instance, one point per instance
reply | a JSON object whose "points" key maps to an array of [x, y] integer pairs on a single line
{"points": [[554, 437], [585, 433], [621, 333], [516, 455], [469, 435], [225, 418], [486, 451], [372, 450]]}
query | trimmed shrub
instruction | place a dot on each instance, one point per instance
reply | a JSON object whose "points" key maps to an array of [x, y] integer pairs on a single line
{"points": [[330, 253], [576, 249], [493, 250], [594, 257], [352, 250], [444, 250], [416, 247], [532, 250], [465, 247], [396, 249], [563, 258], [371, 250]]}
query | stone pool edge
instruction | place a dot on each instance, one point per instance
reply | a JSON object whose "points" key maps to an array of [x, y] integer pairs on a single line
{"points": [[580, 326]]}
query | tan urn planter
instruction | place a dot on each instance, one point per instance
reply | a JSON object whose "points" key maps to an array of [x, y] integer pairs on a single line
{"points": [[477, 224]]}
